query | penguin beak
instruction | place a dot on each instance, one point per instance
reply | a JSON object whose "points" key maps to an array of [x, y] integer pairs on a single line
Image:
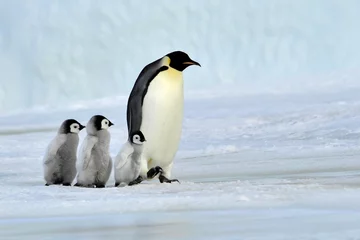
{"points": [[191, 62], [110, 124], [81, 127]]}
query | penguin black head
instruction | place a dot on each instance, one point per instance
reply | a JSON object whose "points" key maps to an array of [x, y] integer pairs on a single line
{"points": [[100, 122], [137, 137], [70, 126], [180, 60]]}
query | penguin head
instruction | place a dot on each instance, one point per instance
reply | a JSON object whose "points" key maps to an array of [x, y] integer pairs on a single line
{"points": [[70, 126], [137, 137], [180, 60], [97, 123]]}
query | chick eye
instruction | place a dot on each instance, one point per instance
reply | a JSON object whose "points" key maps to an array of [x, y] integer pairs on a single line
{"points": [[75, 126]]}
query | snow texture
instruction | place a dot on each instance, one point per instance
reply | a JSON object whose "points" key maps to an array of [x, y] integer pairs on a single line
{"points": [[264, 167], [270, 143]]}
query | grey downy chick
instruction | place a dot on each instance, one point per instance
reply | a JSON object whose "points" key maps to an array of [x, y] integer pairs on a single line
{"points": [[59, 162], [128, 161], [95, 163]]}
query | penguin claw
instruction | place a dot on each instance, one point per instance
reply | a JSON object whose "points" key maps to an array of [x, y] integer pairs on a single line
{"points": [[164, 179], [154, 171], [136, 181], [85, 186], [173, 180]]}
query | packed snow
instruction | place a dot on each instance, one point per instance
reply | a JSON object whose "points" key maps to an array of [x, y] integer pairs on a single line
{"points": [[270, 145], [259, 167]]}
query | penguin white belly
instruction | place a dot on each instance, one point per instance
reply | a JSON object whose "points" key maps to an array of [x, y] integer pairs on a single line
{"points": [[162, 119]]}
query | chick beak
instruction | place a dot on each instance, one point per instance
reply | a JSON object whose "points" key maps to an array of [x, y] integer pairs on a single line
{"points": [[81, 127], [110, 124], [192, 62]]}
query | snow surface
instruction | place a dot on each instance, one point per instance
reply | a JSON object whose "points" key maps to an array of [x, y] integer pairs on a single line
{"points": [[255, 167], [270, 146]]}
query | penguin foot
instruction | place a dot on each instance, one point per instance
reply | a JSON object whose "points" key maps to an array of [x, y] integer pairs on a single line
{"points": [[154, 171], [67, 184], [122, 184], [136, 181], [53, 183], [86, 186], [163, 179], [100, 186]]}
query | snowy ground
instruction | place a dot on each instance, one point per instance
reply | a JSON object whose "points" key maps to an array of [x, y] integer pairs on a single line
{"points": [[251, 167]]}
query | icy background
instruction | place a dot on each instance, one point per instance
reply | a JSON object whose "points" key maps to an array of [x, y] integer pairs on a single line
{"points": [[270, 146], [60, 51]]}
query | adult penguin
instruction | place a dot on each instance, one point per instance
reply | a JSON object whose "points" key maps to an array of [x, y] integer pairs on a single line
{"points": [[155, 107]]}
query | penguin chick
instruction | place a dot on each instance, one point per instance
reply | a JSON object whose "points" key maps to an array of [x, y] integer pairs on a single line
{"points": [[59, 162], [95, 164], [128, 161]]}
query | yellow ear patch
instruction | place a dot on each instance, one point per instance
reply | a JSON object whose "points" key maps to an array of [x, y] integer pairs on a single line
{"points": [[166, 61]]}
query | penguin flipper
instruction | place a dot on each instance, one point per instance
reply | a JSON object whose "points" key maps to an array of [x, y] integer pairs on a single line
{"points": [[135, 102], [123, 156], [85, 155], [110, 166], [52, 149]]}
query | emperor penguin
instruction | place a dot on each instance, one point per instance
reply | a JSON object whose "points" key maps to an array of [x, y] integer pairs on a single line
{"points": [[155, 107], [59, 162], [128, 161], [95, 164]]}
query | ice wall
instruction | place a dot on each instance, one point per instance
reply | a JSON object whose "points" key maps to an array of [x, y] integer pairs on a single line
{"points": [[60, 51]]}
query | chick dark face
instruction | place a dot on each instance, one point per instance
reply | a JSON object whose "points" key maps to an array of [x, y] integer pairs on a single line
{"points": [[71, 126], [180, 61], [100, 122], [137, 137]]}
